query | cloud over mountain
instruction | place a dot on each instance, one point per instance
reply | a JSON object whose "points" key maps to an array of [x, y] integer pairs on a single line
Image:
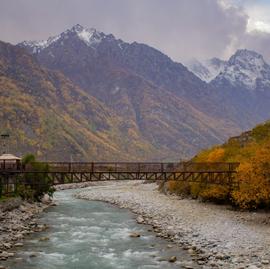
{"points": [[182, 29]]}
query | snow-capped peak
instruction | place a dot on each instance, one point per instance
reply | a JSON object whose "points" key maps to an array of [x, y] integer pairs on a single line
{"points": [[90, 36], [246, 68], [247, 59]]}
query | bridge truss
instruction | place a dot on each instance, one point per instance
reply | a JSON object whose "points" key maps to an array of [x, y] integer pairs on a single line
{"points": [[76, 172]]}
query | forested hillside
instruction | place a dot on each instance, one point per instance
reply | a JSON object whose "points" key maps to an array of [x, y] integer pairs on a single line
{"points": [[252, 150], [45, 113]]}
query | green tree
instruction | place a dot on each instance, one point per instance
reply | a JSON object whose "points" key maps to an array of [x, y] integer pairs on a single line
{"points": [[37, 182]]}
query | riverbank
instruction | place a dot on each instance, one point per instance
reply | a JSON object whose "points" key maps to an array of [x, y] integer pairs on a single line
{"points": [[215, 236], [18, 219]]}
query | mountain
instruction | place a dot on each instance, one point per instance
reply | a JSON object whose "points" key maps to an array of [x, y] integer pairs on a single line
{"points": [[169, 107], [47, 114], [206, 70], [157, 109], [242, 83], [245, 83], [246, 70]]}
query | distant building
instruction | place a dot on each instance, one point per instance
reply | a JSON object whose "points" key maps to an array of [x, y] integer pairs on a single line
{"points": [[9, 162]]}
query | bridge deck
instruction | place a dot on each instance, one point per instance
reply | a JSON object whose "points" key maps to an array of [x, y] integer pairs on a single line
{"points": [[75, 172]]}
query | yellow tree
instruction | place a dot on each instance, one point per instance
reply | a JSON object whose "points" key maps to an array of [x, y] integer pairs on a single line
{"points": [[254, 181]]}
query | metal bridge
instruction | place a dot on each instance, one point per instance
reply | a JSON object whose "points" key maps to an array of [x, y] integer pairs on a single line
{"points": [[76, 172]]}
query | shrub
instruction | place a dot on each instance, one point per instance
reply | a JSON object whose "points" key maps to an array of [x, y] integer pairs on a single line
{"points": [[195, 189], [179, 187], [36, 184], [254, 182], [217, 194], [216, 155], [26, 192]]}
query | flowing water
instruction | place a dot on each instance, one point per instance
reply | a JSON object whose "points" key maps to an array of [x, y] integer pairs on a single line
{"points": [[92, 235]]}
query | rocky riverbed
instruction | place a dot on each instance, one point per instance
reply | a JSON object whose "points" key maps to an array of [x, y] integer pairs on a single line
{"points": [[215, 236], [18, 219]]}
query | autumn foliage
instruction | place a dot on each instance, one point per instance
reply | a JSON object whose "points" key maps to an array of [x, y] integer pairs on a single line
{"points": [[252, 150]]}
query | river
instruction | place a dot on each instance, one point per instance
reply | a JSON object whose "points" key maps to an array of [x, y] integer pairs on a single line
{"points": [[93, 235]]}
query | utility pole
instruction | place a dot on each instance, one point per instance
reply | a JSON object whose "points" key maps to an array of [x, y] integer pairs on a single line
{"points": [[5, 142]]}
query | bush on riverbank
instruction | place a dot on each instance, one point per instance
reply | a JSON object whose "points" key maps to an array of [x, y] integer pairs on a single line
{"points": [[33, 186], [252, 150]]}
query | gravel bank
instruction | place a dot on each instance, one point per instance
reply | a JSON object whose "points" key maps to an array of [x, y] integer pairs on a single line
{"points": [[216, 236], [17, 219]]}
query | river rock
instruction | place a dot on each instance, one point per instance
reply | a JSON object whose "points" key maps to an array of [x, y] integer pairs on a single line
{"points": [[140, 220], [134, 235], [46, 199], [173, 259], [5, 254], [18, 245]]}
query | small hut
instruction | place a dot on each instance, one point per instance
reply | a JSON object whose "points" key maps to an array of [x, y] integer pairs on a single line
{"points": [[9, 162]]}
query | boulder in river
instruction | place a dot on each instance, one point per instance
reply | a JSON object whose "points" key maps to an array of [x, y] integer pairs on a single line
{"points": [[135, 235], [173, 259]]}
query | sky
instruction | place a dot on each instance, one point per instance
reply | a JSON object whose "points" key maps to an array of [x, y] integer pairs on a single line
{"points": [[182, 29]]}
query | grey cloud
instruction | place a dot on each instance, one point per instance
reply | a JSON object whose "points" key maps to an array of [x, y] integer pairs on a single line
{"points": [[259, 42], [181, 28]]}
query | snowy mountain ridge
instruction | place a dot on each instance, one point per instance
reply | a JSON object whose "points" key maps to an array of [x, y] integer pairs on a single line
{"points": [[245, 68], [89, 36]]}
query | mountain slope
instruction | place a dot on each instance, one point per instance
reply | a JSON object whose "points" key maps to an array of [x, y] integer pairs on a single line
{"points": [[49, 115], [252, 151]]}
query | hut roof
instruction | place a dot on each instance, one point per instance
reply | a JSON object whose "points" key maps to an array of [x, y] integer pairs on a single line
{"points": [[9, 157]]}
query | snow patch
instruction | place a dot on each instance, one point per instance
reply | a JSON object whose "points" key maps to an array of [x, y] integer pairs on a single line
{"points": [[206, 70], [90, 37]]}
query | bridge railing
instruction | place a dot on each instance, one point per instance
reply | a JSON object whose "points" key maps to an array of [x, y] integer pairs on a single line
{"points": [[210, 166], [140, 167]]}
